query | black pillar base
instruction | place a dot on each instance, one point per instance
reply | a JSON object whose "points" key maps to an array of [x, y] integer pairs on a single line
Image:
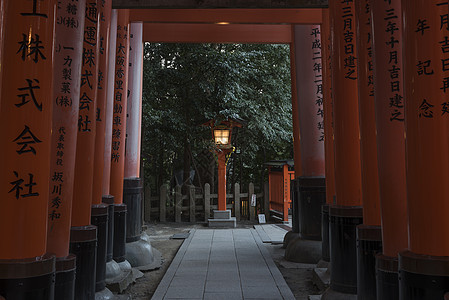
{"points": [[325, 249], [312, 195], [387, 277], [65, 277], [288, 238], [83, 243], [423, 277], [369, 243], [109, 200], [119, 249], [132, 198], [303, 251], [294, 193], [28, 279], [343, 251], [99, 218]]}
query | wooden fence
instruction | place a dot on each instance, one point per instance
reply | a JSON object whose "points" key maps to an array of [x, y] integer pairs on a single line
{"points": [[198, 205]]}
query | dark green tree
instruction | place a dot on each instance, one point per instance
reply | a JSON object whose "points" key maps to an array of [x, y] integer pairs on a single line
{"points": [[187, 84]]}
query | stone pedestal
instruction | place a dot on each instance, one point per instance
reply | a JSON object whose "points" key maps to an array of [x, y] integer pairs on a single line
{"points": [[222, 219]]}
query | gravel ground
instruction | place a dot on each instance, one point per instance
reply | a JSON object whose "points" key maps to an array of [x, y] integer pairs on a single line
{"points": [[297, 276]]}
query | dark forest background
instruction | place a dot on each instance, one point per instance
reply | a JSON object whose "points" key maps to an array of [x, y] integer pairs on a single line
{"points": [[186, 85]]}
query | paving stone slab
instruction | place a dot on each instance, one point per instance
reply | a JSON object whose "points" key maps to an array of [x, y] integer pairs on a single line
{"points": [[259, 292], [218, 286], [223, 296]]}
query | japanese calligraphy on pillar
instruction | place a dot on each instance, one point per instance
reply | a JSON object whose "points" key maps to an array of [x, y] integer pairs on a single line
{"points": [[428, 69], [120, 94], [66, 82], [349, 28], [89, 71], [57, 178], [26, 124], [317, 70], [393, 43], [32, 49], [369, 49], [105, 9]]}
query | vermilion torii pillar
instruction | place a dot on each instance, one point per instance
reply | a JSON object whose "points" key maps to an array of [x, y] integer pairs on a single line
{"points": [[296, 144], [347, 209], [369, 238], [133, 185], [389, 104], [120, 104], [66, 93], [120, 100], [295, 110], [105, 10], [424, 269], [100, 210], [328, 133], [138, 252], [134, 112], [2, 37], [109, 105], [310, 185], [26, 271], [83, 239], [112, 269]]}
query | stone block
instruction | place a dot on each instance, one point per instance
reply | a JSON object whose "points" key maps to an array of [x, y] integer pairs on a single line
{"points": [[223, 223], [222, 214]]}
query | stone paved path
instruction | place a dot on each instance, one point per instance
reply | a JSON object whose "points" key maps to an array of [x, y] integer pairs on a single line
{"points": [[223, 264]]}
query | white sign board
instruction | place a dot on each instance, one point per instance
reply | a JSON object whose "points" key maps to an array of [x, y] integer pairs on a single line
{"points": [[262, 219], [253, 200]]}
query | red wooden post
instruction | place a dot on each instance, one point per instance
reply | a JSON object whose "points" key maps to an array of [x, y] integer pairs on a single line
{"points": [[119, 133], [221, 157], [369, 237], [309, 89], [134, 109], [328, 133], [66, 94], [100, 210], [389, 105], [85, 146], [295, 111], [109, 104], [309, 78], [328, 109], [347, 148], [285, 192], [83, 234], [133, 184], [105, 9], [426, 65], [120, 104], [25, 118]]}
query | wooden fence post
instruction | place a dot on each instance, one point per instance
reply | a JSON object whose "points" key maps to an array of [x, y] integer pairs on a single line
{"points": [[266, 200], [192, 203], [147, 203], [237, 202], [178, 203], [206, 202], [252, 209], [163, 203]]}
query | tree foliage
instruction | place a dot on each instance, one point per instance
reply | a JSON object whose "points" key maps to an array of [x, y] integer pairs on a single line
{"points": [[187, 84]]}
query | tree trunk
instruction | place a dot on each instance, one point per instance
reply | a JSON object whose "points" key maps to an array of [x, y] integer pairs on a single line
{"points": [[186, 169]]}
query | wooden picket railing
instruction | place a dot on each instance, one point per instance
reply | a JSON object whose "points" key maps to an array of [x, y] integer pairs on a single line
{"points": [[197, 205]]}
